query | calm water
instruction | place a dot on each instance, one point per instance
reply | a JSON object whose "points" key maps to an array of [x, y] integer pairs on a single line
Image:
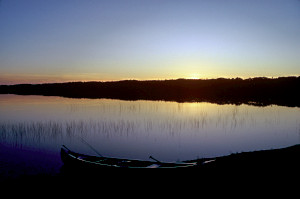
{"points": [[169, 131]]}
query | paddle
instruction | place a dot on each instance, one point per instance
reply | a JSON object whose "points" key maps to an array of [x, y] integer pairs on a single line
{"points": [[66, 147], [85, 142], [155, 159]]}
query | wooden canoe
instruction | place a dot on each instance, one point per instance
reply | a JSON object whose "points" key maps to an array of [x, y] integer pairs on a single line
{"points": [[81, 160]]}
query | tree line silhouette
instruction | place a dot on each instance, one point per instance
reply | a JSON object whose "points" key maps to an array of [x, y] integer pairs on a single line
{"points": [[259, 91]]}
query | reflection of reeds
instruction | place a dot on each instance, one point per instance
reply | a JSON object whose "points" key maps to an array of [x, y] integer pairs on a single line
{"points": [[44, 131], [22, 133]]}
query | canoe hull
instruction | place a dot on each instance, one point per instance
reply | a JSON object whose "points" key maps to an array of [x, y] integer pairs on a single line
{"points": [[73, 159]]}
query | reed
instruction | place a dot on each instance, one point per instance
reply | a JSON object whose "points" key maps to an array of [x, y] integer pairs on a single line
{"points": [[21, 133]]}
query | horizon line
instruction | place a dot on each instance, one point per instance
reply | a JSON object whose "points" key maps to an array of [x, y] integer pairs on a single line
{"points": [[144, 80]]}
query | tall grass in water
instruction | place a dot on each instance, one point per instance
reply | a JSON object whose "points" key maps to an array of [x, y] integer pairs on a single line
{"points": [[22, 133], [27, 133], [33, 132]]}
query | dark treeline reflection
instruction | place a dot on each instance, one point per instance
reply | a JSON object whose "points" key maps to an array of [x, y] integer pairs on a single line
{"points": [[259, 91]]}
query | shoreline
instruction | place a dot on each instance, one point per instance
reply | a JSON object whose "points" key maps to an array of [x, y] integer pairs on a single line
{"points": [[253, 91], [281, 160]]}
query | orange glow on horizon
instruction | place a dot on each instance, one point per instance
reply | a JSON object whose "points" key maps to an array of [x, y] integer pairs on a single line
{"points": [[9, 79]]}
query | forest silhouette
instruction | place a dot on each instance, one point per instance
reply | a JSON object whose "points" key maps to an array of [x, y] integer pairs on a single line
{"points": [[260, 91]]}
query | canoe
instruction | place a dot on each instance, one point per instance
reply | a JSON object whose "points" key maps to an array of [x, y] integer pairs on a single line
{"points": [[71, 158]]}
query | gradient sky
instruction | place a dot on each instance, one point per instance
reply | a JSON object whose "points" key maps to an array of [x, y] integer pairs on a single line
{"points": [[84, 40]]}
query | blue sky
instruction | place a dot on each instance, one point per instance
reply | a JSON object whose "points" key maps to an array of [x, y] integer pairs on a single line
{"points": [[85, 40]]}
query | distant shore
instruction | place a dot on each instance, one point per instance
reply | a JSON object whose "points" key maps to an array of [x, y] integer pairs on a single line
{"points": [[259, 91]]}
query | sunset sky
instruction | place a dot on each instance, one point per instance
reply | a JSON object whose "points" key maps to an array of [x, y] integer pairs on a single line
{"points": [[101, 40]]}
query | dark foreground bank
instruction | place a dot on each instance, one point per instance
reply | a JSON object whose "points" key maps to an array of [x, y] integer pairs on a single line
{"points": [[280, 159], [258, 91], [277, 160]]}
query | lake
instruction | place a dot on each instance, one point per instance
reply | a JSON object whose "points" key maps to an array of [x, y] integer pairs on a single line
{"points": [[33, 128]]}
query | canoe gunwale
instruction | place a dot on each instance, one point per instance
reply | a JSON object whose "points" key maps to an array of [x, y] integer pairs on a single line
{"points": [[76, 159]]}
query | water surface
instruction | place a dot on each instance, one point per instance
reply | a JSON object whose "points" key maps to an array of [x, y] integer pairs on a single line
{"points": [[169, 131]]}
